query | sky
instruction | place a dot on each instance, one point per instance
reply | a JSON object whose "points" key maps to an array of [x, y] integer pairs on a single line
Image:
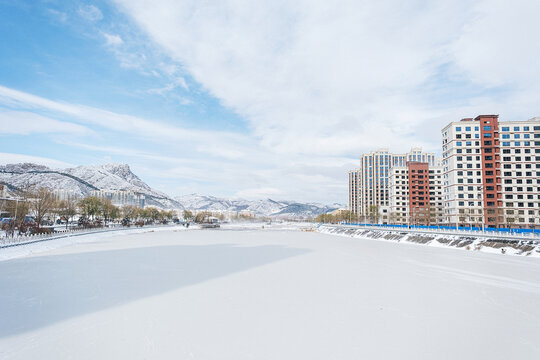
{"points": [[259, 99]]}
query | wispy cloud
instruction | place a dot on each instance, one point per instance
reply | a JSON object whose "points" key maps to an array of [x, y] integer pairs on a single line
{"points": [[180, 81], [60, 16], [258, 193], [9, 158], [114, 121], [25, 123], [90, 12], [113, 40]]}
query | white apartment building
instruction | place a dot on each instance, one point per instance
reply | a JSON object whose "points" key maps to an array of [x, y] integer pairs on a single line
{"points": [[62, 194], [369, 184], [416, 199], [354, 205], [520, 167], [490, 172], [121, 197], [462, 173]]}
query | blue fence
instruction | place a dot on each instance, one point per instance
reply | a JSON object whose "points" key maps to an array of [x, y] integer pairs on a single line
{"points": [[462, 228]]}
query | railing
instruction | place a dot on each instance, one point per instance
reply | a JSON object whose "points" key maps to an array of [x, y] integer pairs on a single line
{"points": [[23, 239], [446, 230]]}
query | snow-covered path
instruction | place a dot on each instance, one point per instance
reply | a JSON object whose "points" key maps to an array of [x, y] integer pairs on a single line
{"points": [[258, 294]]}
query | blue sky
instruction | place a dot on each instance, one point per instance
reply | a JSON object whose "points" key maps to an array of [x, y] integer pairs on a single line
{"points": [[267, 99]]}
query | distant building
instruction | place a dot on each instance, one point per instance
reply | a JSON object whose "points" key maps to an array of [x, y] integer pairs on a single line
{"points": [[121, 197], [247, 213], [492, 172], [369, 184], [62, 195]]}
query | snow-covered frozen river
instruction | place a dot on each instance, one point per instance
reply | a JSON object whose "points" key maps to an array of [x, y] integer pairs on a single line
{"points": [[263, 294]]}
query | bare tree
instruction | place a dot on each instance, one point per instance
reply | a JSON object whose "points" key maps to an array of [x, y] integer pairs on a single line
{"points": [[187, 214], [510, 218], [130, 212], [374, 213], [90, 206], [108, 210], [42, 202], [67, 209]]}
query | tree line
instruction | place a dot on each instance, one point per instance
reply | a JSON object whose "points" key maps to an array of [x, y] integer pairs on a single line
{"points": [[41, 204]]}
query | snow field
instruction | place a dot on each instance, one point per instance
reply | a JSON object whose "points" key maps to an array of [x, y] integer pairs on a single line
{"points": [[261, 294]]}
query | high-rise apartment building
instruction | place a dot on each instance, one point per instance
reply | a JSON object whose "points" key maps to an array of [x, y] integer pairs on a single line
{"points": [[416, 194], [369, 184], [491, 172], [354, 204]]}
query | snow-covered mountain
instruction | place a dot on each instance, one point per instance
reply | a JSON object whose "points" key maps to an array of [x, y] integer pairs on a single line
{"points": [[267, 207], [82, 180]]}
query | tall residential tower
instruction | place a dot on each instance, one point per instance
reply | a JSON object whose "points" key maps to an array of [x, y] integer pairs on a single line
{"points": [[491, 172], [369, 184]]}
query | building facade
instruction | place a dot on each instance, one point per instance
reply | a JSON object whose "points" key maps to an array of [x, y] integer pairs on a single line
{"points": [[490, 172], [121, 197], [62, 195], [520, 170], [3, 191], [354, 205], [416, 194], [369, 185]]}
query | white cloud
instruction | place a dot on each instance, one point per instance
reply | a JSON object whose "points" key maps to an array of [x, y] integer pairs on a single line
{"points": [[258, 193], [58, 15], [500, 46], [180, 81], [319, 77], [90, 12], [114, 121], [25, 123], [113, 40], [7, 158]]}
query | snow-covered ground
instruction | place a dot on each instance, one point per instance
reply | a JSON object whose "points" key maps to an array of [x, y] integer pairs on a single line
{"points": [[251, 293]]}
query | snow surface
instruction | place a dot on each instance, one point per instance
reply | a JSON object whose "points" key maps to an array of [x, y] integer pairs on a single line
{"points": [[254, 293]]}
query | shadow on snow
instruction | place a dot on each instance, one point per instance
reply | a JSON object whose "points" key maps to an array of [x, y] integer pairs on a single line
{"points": [[40, 291]]}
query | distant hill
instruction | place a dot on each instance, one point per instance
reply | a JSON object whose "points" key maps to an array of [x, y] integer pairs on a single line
{"points": [[82, 180], [267, 207]]}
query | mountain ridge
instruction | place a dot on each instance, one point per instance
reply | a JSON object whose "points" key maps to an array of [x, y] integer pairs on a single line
{"points": [[261, 207], [81, 180]]}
